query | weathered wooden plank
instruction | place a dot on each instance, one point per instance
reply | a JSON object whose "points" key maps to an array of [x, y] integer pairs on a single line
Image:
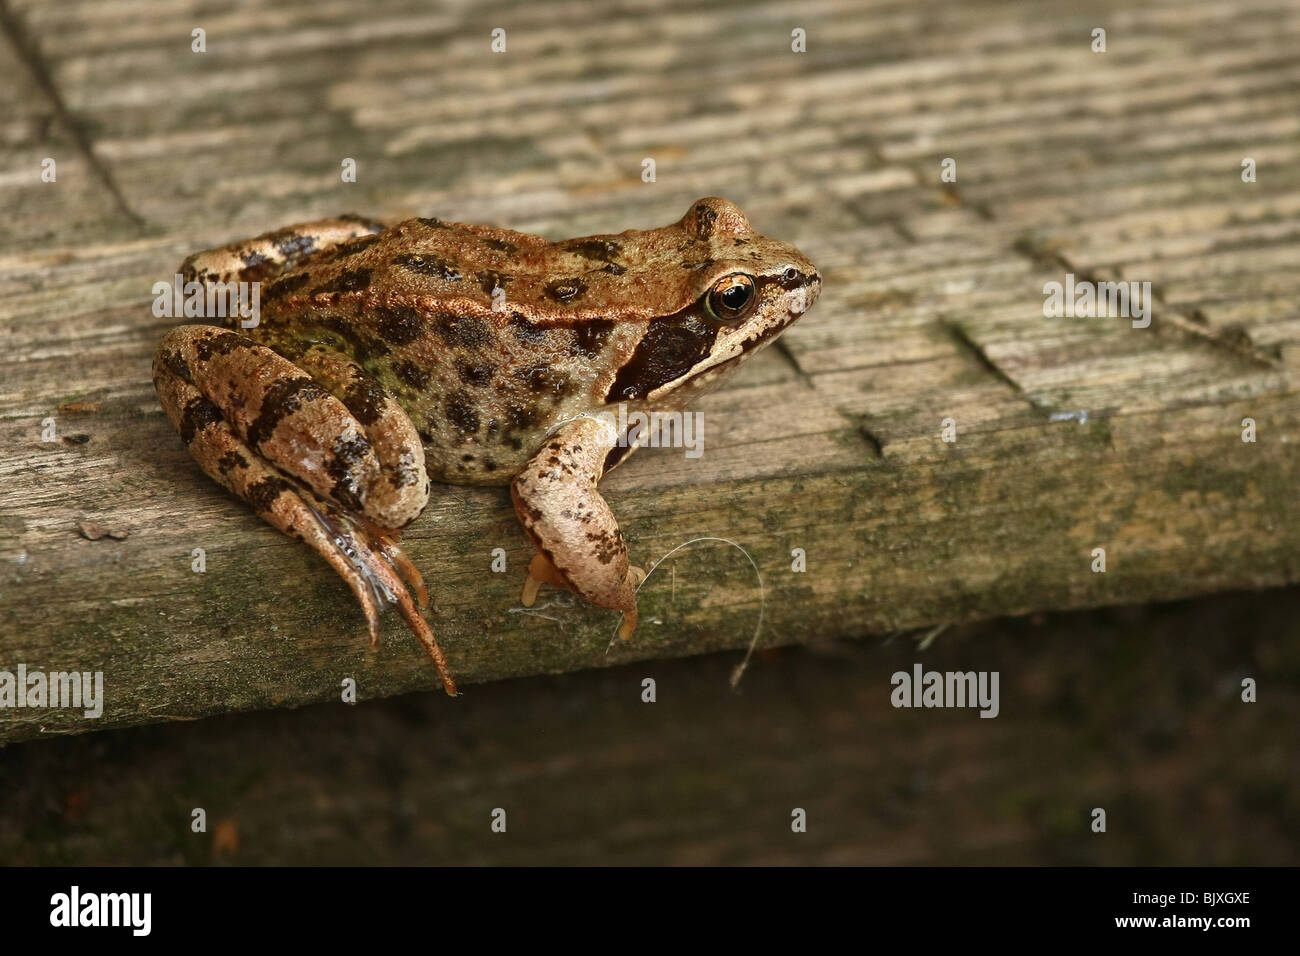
{"points": [[1072, 434]]}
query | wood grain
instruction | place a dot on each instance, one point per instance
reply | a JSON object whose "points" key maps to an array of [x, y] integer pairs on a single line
{"points": [[1073, 434]]}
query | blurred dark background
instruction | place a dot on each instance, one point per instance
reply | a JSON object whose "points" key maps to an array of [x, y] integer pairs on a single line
{"points": [[1136, 710]]}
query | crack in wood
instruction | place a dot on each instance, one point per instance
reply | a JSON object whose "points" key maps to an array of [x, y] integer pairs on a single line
{"points": [[28, 52], [1235, 341], [963, 338], [874, 444], [782, 348]]}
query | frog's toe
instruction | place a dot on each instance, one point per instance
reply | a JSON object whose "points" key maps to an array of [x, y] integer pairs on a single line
{"points": [[541, 571], [529, 595], [635, 578], [628, 627], [386, 542]]}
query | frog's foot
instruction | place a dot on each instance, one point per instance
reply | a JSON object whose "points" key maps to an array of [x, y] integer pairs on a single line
{"points": [[266, 256], [542, 571], [291, 447], [573, 527], [377, 570]]}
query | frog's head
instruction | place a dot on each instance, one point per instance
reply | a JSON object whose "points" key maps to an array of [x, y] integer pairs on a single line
{"points": [[742, 291]]}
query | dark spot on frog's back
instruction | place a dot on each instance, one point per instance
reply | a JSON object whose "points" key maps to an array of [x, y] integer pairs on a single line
{"points": [[602, 250], [501, 245], [433, 222], [477, 374], [287, 285], [432, 266], [489, 280], [464, 331], [412, 374], [589, 337], [522, 417], [398, 324], [353, 246], [565, 290], [599, 250], [526, 331], [542, 379], [349, 280], [460, 412]]}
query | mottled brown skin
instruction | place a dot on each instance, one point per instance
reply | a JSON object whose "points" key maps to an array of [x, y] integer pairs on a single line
{"points": [[389, 356]]}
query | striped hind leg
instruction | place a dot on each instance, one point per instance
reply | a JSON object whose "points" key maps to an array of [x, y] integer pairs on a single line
{"points": [[319, 451]]}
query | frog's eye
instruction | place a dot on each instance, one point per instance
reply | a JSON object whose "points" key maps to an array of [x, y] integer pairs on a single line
{"points": [[732, 297]]}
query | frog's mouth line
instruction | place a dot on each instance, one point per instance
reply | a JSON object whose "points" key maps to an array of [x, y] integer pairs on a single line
{"points": [[746, 347], [751, 345]]}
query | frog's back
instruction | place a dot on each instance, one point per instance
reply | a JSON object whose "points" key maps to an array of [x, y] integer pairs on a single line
{"points": [[628, 276], [483, 385]]}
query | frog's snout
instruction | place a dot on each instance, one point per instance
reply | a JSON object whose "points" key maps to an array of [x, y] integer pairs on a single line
{"points": [[801, 299]]}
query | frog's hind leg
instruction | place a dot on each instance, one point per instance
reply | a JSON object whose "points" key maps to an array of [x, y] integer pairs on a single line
{"points": [[340, 472], [268, 255]]}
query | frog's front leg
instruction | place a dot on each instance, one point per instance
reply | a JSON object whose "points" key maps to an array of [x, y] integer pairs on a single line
{"points": [[327, 457], [573, 527]]}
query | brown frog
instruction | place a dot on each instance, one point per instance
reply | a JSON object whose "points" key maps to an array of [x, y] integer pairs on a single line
{"points": [[385, 357]]}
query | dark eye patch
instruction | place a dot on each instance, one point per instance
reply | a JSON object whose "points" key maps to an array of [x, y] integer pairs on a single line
{"points": [[671, 347]]}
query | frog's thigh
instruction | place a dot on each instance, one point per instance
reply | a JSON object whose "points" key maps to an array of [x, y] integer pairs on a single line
{"points": [[266, 256], [572, 525], [404, 490], [357, 448]]}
